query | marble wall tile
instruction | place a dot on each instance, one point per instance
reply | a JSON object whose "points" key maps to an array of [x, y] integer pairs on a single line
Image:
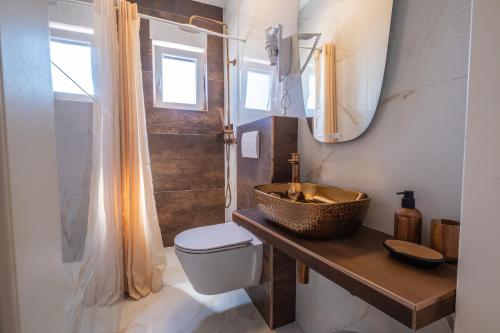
{"points": [[73, 116], [427, 44], [74, 157], [182, 210], [416, 141], [341, 312], [478, 275], [74, 216], [73, 121]]}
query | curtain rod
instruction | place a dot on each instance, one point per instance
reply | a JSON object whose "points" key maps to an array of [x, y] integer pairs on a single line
{"points": [[154, 18]]}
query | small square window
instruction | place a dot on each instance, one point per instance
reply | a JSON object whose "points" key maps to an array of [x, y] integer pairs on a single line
{"points": [[179, 74], [179, 80], [70, 51], [74, 59]]}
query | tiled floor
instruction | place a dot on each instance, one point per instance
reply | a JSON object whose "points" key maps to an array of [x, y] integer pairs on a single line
{"points": [[177, 308]]}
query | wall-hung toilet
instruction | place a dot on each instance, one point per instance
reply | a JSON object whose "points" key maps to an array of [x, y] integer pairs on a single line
{"points": [[219, 258]]}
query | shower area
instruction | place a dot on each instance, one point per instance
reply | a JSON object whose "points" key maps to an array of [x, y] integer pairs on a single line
{"points": [[199, 71], [185, 142], [183, 60]]}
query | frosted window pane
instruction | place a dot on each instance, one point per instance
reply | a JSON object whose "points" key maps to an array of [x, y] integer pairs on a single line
{"points": [[257, 94], [75, 60], [179, 80]]}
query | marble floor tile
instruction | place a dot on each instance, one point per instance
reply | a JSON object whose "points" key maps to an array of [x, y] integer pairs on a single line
{"points": [[178, 308]]}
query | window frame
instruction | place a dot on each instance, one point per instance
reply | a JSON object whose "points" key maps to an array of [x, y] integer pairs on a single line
{"points": [[78, 36], [261, 68], [161, 51]]}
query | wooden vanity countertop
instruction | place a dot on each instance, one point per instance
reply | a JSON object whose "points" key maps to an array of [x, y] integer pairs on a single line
{"points": [[359, 263]]}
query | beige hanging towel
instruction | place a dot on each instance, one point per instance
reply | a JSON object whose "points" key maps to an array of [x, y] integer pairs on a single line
{"points": [[144, 256]]}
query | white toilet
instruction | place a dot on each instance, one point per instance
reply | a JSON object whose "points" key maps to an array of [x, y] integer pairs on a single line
{"points": [[219, 258]]}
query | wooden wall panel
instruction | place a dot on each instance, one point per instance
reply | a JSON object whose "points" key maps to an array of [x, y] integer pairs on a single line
{"points": [[187, 156], [278, 139]]}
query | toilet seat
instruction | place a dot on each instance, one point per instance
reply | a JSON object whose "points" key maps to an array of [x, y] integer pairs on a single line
{"points": [[220, 258], [212, 238]]}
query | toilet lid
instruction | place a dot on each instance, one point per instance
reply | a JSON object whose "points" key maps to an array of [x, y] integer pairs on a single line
{"points": [[213, 238]]}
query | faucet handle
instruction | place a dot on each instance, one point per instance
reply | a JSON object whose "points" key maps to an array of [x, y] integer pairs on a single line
{"points": [[295, 158]]}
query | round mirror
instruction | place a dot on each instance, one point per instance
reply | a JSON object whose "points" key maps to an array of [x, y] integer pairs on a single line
{"points": [[343, 48]]}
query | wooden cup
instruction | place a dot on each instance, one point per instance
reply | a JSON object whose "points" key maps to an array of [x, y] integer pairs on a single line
{"points": [[445, 235]]}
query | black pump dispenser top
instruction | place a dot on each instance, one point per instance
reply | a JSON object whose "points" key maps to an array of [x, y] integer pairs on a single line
{"points": [[408, 199]]}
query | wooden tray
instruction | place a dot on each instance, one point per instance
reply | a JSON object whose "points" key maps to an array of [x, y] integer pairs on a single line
{"points": [[414, 254]]}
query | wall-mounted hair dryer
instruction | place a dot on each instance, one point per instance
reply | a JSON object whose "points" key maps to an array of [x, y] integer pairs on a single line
{"points": [[273, 35], [279, 50]]}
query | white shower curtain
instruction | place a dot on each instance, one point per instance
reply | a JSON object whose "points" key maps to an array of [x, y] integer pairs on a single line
{"points": [[100, 280], [122, 213]]}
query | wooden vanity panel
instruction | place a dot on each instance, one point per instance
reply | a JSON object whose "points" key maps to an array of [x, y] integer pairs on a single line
{"points": [[282, 294], [434, 312], [360, 264], [274, 297], [260, 294]]}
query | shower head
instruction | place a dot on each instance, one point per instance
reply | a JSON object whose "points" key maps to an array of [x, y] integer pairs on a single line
{"points": [[192, 28], [189, 28]]}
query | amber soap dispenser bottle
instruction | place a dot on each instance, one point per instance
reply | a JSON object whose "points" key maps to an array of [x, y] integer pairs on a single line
{"points": [[408, 220]]}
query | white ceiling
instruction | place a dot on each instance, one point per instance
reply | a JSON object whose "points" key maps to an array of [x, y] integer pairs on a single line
{"points": [[218, 3]]}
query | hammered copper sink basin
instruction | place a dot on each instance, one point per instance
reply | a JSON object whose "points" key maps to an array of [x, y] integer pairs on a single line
{"points": [[311, 210]]}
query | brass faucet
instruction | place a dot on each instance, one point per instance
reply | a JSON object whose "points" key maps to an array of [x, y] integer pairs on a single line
{"points": [[294, 192], [295, 162]]}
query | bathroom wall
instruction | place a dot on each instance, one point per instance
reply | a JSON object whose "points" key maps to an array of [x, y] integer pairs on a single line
{"points": [[478, 273], [248, 19], [30, 242], [73, 124], [185, 146], [186, 151], [415, 141]]}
